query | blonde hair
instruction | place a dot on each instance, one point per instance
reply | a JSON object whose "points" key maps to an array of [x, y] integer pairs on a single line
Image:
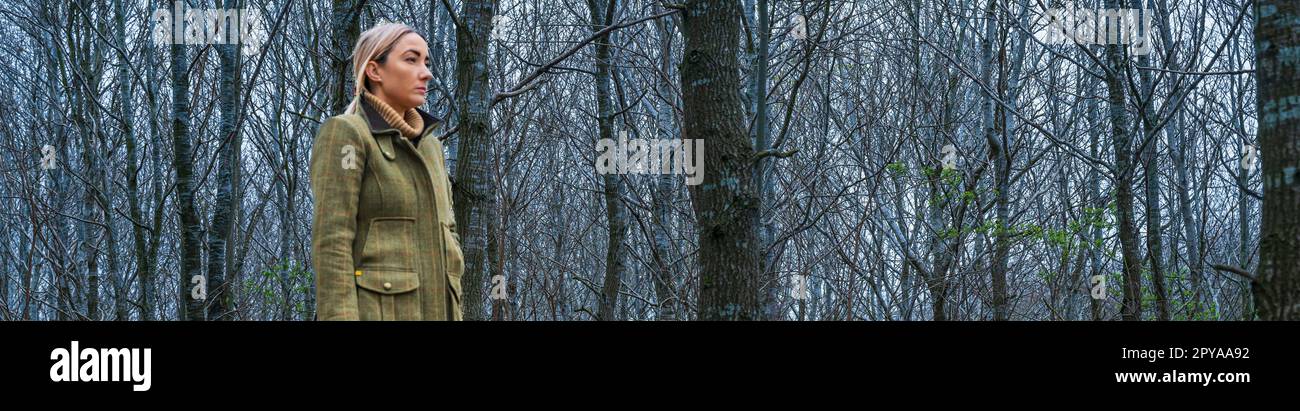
{"points": [[373, 44]]}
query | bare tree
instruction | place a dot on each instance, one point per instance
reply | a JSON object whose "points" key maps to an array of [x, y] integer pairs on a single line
{"points": [[725, 203]]}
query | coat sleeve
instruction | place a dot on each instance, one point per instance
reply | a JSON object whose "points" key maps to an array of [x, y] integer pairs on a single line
{"points": [[338, 161]]}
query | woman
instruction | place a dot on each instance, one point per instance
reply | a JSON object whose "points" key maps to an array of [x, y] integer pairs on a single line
{"points": [[384, 242]]}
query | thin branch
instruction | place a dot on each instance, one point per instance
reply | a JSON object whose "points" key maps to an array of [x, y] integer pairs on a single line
{"points": [[1235, 270], [528, 81]]}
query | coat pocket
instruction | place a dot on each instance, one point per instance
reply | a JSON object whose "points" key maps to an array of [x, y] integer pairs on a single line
{"points": [[455, 263], [390, 242], [388, 295]]}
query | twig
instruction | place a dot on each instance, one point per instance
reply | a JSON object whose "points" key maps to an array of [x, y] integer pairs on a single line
{"points": [[1235, 270], [528, 81], [531, 81], [775, 153], [1195, 73]]}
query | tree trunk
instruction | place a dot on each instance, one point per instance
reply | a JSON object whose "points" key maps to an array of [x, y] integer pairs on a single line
{"points": [[1116, 96], [662, 192], [474, 190], [725, 204], [763, 168], [144, 272], [1179, 143], [1151, 175], [602, 13], [223, 207], [191, 270], [999, 155], [1277, 37], [1095, 206], [84, 115], [344, 29]]}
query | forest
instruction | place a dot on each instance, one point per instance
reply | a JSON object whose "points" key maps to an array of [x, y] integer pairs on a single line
{"points": [[860, 160]]}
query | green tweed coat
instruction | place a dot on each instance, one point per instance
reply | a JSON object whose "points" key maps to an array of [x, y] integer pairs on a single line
{"points": [[384, 241]]}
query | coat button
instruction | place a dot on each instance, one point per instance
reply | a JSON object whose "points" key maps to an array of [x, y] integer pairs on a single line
{"points": [[388, 286]]}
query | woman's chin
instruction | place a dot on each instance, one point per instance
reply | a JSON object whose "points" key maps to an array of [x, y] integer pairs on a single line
{"points": [[417, 101]]}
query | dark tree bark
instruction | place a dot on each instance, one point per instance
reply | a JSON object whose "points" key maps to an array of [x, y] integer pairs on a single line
{"points": [[474, 189], [1151, 176], [344, 28], [725, 203], [763, 168], [1000, 155], [191, 268], [1277, 37], [223, 211], [1116, 59], [602, 13]]}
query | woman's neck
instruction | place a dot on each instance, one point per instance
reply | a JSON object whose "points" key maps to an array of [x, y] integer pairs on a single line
{"points": [[408, 122], [384, 98]]}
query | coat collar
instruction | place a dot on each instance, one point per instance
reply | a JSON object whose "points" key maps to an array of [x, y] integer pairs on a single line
{"points": [[379, 126]]}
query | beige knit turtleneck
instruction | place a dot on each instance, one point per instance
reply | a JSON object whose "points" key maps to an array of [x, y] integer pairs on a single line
{"points": [[410, 126]]}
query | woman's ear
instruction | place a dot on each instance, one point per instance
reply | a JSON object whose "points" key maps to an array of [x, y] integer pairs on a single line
{"points": [[372, 72]]}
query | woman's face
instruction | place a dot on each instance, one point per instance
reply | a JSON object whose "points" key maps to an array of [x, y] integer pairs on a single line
{"points": [[402, 80]]}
